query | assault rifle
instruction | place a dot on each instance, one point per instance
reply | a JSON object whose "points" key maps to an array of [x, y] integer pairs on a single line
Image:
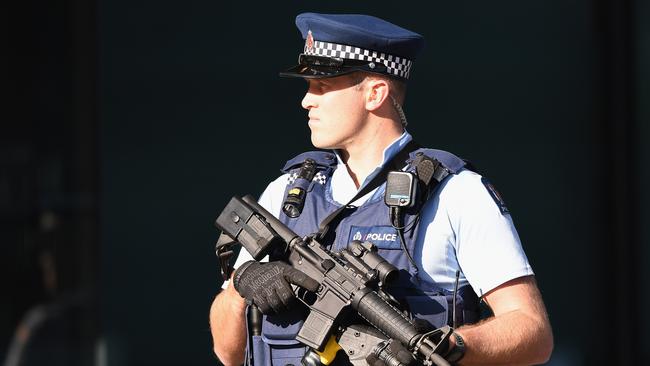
{"points": [[352, 278]]}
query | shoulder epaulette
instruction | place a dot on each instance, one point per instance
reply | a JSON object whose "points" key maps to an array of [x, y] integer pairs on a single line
{"points": [[323, 159], [450, 161]]}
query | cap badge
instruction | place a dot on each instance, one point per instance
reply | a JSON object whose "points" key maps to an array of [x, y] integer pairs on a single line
{"points": [[309, 43]]}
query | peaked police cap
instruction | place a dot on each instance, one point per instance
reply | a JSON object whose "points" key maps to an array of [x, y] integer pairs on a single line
{"points": [[337, 44]]}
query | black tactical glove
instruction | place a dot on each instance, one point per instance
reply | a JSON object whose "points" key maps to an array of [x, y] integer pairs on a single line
{"points": [[392, 354], [268, 285]]}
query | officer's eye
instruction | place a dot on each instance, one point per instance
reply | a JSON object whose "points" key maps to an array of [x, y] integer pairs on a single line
{"points": [[317, 86]]}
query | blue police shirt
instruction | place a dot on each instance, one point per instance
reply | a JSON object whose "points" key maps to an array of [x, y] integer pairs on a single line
{"points": [[461, 228]]}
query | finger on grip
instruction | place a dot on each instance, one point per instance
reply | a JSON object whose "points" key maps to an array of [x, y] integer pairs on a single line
{"points": [[299, 278]]}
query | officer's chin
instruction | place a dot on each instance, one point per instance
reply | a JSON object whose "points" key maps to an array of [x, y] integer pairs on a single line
{"points": [[319, 143]]}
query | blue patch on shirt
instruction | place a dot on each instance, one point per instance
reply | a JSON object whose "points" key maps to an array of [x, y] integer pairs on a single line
{"points": [[496, 196], [384, 237]]}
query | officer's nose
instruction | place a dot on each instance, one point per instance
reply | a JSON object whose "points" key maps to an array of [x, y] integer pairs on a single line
{"points": [[309, 100]]}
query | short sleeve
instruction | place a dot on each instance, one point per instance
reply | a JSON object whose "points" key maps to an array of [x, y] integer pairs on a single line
{"points": [[487, 246]]}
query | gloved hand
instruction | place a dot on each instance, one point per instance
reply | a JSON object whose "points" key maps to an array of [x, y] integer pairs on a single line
{"points": [[268, 285], [393, 354]]}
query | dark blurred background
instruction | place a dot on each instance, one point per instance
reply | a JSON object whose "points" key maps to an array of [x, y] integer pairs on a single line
{"points": [[128, 125]]}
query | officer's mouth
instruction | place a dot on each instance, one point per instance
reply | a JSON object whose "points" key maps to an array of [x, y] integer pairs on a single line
{"points": [[313, 119]]}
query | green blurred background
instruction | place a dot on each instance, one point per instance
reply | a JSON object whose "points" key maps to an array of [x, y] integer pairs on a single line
{"points": [[129, 125]]}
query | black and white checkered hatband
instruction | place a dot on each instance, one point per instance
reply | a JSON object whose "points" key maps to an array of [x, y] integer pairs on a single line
{"points": [[395, 65]]}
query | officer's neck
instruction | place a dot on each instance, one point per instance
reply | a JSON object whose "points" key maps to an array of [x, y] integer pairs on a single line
{"points": [[366, 152]]}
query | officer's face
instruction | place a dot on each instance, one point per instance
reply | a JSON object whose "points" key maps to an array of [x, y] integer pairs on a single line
{"points": [[336, 111]]}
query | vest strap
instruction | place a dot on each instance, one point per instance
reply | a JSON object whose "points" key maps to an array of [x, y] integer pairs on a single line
{"points": [[395, 163]]}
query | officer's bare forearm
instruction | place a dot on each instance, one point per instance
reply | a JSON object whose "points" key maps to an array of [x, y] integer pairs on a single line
{"points": [[228, 326], [518, 334]]}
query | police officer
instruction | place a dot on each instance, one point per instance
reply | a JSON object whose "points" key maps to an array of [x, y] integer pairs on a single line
{"points": [[459, 243]]}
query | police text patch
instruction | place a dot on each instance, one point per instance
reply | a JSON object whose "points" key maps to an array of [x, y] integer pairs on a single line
{"points": [[384, 237]]}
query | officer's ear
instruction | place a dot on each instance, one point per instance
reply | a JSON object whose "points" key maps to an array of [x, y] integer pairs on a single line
{"points": [[377, 92]]}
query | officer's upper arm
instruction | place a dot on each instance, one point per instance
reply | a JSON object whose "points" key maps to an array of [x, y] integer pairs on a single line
{"points": [[487, 245], [272, 197], [517, 294]]}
